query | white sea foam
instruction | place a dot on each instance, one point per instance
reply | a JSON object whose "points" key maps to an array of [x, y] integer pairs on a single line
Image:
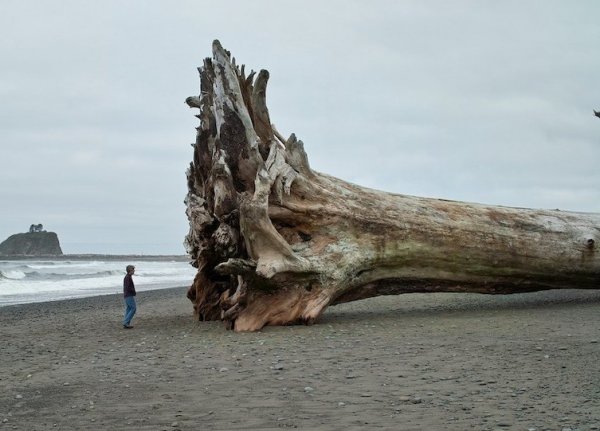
{"points": [[12, 275], [34, 281]]}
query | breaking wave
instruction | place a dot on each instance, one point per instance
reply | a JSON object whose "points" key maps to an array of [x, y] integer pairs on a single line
{"points": [[28, 281]]}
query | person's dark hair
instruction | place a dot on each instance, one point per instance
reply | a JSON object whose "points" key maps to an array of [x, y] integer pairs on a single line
{"points": [[129, 268]]}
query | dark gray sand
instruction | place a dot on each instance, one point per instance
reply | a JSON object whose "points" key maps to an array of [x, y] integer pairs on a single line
{"points": [[412, 362]]}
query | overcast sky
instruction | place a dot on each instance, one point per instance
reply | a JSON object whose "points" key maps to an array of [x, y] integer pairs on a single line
{"points": [[481, 101]]}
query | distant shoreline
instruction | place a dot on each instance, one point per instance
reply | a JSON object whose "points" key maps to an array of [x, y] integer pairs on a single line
{"points": [[144, 257], [92, 301]]}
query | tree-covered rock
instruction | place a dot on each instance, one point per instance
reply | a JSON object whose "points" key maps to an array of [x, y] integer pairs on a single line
{"points": [[31, 244]]}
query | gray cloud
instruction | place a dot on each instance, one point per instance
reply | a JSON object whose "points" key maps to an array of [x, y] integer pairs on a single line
{"points": [[478, 101]]}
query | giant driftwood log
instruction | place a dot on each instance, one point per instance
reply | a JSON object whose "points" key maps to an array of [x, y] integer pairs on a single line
{"points": [[275, 242]]}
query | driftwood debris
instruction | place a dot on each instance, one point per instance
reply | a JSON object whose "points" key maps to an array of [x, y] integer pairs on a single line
{"points": [[275, 242]]}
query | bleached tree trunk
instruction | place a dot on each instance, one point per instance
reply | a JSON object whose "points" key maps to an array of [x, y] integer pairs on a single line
{"points": [[275, 242]]}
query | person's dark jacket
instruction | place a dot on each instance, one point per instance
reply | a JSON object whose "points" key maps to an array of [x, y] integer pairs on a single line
{"points": [[128, 287]]}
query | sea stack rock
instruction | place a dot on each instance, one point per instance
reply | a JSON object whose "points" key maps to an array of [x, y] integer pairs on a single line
{"points": [[31, 244]]}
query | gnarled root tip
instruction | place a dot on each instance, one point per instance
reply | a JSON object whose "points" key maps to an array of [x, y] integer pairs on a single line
{"points": [[281, 308]]}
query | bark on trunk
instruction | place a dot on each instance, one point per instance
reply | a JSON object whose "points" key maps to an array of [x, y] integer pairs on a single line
{"points": [[275, 242]]}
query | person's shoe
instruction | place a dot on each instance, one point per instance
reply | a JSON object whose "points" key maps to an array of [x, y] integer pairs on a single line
{"points": [[127, 327]]}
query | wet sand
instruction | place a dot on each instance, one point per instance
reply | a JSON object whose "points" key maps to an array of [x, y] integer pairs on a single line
{"points": [[411, 362]]}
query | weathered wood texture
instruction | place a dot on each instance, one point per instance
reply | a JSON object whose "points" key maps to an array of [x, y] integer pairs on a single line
{"points": [[275, 242]]}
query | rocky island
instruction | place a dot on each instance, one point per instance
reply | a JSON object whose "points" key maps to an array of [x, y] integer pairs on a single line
{"points": [[36, 242]]}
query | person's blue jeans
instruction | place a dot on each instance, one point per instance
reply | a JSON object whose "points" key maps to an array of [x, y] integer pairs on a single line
{"points": [[129, 310]]}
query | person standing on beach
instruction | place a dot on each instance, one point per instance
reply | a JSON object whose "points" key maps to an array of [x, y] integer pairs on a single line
{"points": [[129, 294]]}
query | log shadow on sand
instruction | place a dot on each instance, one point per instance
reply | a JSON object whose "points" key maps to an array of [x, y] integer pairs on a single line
{"points": [[432, 306]]}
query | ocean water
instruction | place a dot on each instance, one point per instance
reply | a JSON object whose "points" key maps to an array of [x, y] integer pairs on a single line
{"points": [[24, 281]]}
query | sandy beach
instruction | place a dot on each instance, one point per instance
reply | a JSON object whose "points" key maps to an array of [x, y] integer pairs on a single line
{"points": [[412, 362]]}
